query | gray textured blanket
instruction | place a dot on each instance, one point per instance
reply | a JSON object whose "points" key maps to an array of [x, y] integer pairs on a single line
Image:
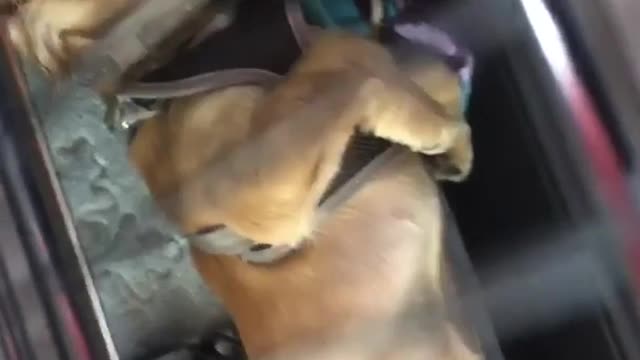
{"points": [[152, 297]]}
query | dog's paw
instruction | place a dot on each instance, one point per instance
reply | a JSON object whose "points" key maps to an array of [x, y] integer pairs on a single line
{"points": [[445, 143], [405, 114], [455, 162]]}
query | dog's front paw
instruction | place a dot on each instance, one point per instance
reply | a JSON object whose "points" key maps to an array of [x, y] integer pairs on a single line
{"points": [[446, 143], [455, 162], [404, 113]]}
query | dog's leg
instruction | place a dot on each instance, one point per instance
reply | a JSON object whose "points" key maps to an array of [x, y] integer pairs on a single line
{"points": [[279, 173], [418, 107], [297, 136], [443, 85], [400, 111]]}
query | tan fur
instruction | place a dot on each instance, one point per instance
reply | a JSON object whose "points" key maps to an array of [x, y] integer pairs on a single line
{"points": [[257, 161], [373, 259], [269, 180]]}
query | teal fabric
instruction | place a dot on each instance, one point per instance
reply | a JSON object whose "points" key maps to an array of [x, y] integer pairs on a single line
{"points": [[390, 9], [341, 13], [345, 14], [316, 13]]}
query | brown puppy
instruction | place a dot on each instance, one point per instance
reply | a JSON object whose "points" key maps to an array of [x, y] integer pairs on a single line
{"points": [[257, 161], [264, 176]]}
